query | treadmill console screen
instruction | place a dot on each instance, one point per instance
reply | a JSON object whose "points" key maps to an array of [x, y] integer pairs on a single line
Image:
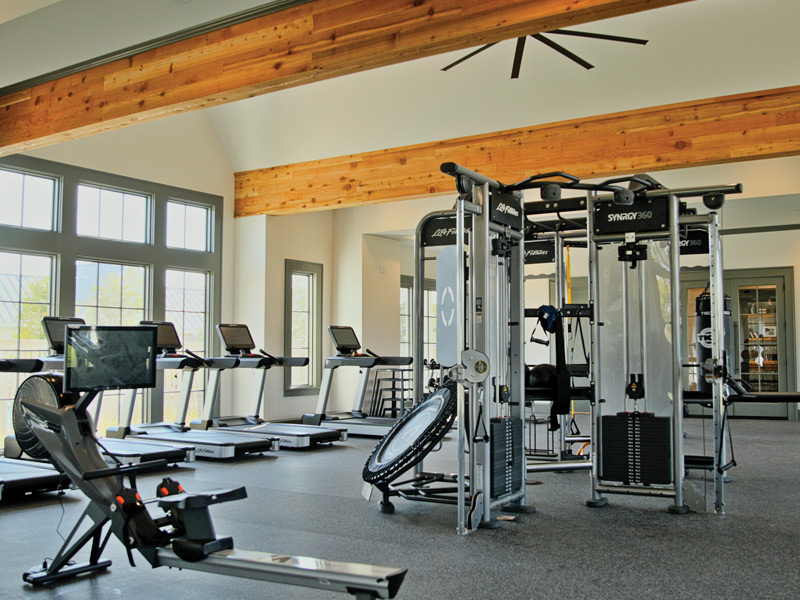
{"points": [[109, 358], [54, 331], [344, 338], [167, 339], [235, 337]]}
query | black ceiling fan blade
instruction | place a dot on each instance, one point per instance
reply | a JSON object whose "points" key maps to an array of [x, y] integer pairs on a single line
{"points": [[518, 57], [468, 56], [561, 50], [600, 36]]}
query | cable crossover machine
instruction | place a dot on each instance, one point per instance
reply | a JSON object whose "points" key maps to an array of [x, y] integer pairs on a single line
{"points": [[635, 231], [635, 237], [478, 254]]}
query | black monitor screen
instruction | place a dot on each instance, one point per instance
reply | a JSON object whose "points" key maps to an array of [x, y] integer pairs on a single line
{"points": [[167, 338], [54, 331], [109, 358], [344, 338], [235, 337]]}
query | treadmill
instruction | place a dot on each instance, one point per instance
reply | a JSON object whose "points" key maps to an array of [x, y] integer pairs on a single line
{"points": [[114, 451], [356, 422], [19, 476], [211, 444], [239, 343]]}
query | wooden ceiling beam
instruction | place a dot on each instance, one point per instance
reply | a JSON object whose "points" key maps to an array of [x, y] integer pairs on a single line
{"points": [[751, 126], [309, 42]]}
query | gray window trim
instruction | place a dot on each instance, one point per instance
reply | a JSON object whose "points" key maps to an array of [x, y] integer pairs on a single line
{"points": [[298, 266], [67, 246]]}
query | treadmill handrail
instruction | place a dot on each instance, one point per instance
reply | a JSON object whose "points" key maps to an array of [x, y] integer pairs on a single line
{"points": [[395, 360], [252, 361], [178, 361], [350, 361], [222, 362], [286, 361]]}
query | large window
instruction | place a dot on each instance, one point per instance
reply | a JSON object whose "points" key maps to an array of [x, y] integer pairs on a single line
{"points": [[110, 294], [25, 297], [103, 247], [187, 226], [303, 325], [27, 200], [431, 308], [406, 322], [186, 306], [112, 215]]}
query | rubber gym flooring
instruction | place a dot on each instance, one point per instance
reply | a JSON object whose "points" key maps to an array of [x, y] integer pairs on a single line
{"points": [[309, 503]]}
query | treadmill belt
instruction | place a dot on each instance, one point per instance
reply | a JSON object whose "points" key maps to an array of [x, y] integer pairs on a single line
{"points": [[22, 476]]}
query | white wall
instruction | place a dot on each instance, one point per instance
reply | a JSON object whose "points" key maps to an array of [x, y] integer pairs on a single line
{"points": [[262, 246], [367, 310], [380, 293], [249, 307]]}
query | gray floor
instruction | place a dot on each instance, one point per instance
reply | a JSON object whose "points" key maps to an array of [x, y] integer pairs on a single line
{"points": [[309, 503]]}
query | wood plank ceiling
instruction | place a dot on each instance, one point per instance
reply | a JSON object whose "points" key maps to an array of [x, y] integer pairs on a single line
{"points": [[706, 132], [302, 44]]}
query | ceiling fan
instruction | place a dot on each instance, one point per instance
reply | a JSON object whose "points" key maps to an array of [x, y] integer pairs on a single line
{"points": [[555, 46]]}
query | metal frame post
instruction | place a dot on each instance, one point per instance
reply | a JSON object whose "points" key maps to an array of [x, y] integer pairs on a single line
{"points": [[677, 371], [717, 349], [461, 412], [596, 499], [516, 345], [484, 313]]}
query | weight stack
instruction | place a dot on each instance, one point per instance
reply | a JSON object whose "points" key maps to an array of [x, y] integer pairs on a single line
{"points": [[506, 450], [636, 449]]}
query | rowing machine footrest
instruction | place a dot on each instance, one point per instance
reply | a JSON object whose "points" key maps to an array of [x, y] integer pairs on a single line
{"points": [[190, 512], [196, 550]]}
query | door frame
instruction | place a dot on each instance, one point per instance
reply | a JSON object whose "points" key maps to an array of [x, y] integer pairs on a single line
{"points": [[697, 276]]}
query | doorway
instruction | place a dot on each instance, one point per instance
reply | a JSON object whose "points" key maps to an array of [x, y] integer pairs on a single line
{"points": [[762, 344]]}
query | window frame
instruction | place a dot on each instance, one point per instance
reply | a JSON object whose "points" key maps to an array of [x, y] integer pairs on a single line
{"points": [[208, 236], [292, 267], [148, 211], [55, 221], [429, 285], [67, 246]]}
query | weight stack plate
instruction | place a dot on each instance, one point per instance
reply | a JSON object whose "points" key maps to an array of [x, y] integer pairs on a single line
{"points": [[636, 449], [506, 452]]}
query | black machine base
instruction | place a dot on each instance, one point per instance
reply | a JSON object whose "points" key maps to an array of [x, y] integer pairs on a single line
{"points": [[41, 576], [678, 510], [599, 503], [518, 509]]}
